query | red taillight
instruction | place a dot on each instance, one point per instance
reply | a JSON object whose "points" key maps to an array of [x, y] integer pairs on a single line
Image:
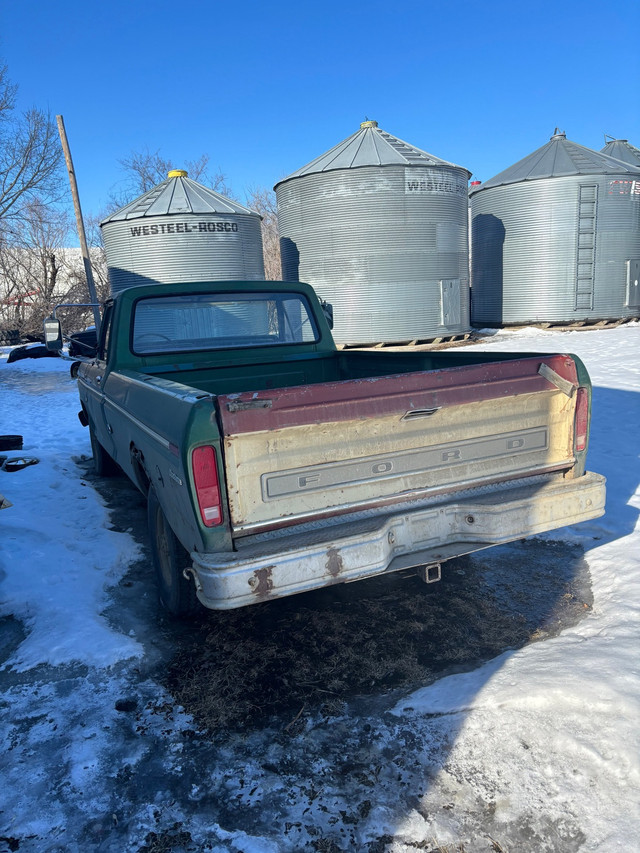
{"points": [[205, 476], [582, 420]]}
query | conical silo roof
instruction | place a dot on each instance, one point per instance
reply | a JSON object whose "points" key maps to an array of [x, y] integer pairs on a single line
{"points": [[178, 194], [370, 146], [621, 149], [559, 158]]}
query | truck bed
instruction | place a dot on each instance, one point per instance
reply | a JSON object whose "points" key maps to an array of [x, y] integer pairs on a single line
{"points": [[253, 373]]}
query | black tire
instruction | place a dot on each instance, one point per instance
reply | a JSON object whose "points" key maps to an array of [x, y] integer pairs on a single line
{"points": [[177, 593], [10, 442], [103, 464]]}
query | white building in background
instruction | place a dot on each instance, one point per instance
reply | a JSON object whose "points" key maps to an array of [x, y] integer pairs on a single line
{"points": [[33, 281]]}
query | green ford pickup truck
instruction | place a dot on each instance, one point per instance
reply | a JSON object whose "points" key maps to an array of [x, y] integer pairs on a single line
{"points": [[275, 463]]}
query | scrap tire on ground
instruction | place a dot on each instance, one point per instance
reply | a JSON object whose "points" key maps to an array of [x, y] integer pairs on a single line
{"points": [[177, 593], [103, 464], [10, 442]]}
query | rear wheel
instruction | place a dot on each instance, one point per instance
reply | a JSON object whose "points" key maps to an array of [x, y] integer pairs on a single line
{"points": [[104, 465], [170, 559]]}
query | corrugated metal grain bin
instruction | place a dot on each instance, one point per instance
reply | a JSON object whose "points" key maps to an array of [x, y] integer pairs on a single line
{"points": [[182, 231], [379, 228], [556, 238], [621, 149]]}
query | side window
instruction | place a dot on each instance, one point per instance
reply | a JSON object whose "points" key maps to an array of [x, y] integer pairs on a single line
{"points": [[105, 333]]}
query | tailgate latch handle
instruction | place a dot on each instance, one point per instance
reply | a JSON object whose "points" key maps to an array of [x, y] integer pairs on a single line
{"points": [[420, 413], [550, 375]]}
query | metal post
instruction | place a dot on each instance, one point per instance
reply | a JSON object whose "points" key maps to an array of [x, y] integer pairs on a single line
{"points": [[79, 221]]}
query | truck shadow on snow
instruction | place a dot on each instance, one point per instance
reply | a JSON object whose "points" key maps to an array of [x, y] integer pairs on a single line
{"points": [[613, 452], [291, 700]]}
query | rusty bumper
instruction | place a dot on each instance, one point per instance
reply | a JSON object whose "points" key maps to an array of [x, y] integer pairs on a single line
{"points": [[416, 535]]}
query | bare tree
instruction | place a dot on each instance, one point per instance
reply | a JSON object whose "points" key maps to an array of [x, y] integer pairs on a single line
{"points": [[37, 272], [32, 228], [263, 201], [146, 169], [32, 259], [30, 155], [8, 92]]}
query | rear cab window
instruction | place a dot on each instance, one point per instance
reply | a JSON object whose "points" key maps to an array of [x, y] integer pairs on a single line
{"points": [[205, 321]]}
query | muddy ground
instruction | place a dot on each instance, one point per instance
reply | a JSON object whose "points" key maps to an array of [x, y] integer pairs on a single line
{"points": [[236, 718]]}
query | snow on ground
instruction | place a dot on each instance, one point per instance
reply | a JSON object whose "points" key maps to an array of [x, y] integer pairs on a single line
{"points": [[58, 556], [537, 750]]}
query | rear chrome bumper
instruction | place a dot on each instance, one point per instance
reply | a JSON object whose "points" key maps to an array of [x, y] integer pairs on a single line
{"points": [[416, 536]]}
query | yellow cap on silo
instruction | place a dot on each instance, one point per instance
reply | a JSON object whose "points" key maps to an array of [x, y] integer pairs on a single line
{"points": [[177, 173]]}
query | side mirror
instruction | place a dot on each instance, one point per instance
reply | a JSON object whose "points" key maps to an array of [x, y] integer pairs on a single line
{"points": [[327, 310], [52, 334]]}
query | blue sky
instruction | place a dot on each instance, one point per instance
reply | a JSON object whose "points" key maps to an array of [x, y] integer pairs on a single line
{"points": [[265, 88]]}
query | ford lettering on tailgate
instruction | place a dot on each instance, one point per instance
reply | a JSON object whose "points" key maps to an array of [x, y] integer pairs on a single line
{"points": [[336, 474]]}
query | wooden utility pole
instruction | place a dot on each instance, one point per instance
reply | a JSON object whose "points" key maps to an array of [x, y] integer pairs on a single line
{"points": [[79, 221]]}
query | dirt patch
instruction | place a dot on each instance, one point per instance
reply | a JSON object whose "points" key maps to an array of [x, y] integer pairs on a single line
{"points": [[314, 652]]}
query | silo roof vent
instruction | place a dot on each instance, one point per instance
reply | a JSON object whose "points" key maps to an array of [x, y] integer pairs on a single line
{"points": [[180, 195], [559, 158], [370, 146]]}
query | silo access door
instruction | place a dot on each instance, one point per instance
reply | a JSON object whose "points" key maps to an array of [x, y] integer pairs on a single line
{"points": [[450, 314]]}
